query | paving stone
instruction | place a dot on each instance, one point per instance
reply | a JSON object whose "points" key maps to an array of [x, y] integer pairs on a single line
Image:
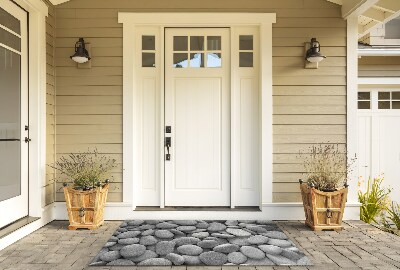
{"points": [[132, 250], [240, 241], [258, 240], [237, 258], [275, 235], [148, 254], [165, 247], [213, 258], [148, 240], [185, 222], [176, 232], [130, 234], [252, 252], [191, 250], [226, 248], [116, 247], [294, 256], [110, 256], [223, 235], [166, 225], [186, 241], [148, 232], [264, 261], [200, 234], [121, 262], [257, 229], [202, 225], [153, 221], [216, 227], [270, 249], [280, 260], [208, 244], [279, 243], [128, 241], [113, 239], [109, 244], [155, 262], [231, 222], [176, 259], [186, 229], [238, 232], [163, 234], [191, 260], [135, 222], [306, 261], [146, 227]]}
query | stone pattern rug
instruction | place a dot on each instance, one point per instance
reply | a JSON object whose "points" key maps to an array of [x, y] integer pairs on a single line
{"points": [[199, 242]]}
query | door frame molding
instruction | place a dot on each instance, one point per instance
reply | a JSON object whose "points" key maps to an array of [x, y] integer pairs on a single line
{"points": [[131, 117], [37, 13]]}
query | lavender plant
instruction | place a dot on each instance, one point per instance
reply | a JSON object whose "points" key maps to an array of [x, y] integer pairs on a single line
{"points": [[326, 167], [85, 169]]}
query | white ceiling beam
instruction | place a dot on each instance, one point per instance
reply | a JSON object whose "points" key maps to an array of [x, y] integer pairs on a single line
{"points": [[375, 14], [356, 7], [338, 2], [389, 5], [57, 2]]}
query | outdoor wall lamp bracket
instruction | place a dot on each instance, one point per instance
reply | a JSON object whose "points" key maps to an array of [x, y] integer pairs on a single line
{"points": [[313, 54], [81, 54]]}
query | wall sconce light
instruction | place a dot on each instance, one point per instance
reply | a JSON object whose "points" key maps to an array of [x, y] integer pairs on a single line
{"points": [[313, 55], [81, 54]]}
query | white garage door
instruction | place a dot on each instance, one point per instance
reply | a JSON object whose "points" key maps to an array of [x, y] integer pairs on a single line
{"points": [[379, 136]]}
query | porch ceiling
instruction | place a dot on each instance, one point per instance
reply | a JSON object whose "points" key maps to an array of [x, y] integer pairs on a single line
{"points": [[371, 13]]}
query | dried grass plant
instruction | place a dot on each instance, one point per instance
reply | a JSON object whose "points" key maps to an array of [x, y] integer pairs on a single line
{"points": [[326, 167], [86, 169]]}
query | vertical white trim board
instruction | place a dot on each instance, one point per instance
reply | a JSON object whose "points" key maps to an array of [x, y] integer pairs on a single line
{"points": [[132, 171]]}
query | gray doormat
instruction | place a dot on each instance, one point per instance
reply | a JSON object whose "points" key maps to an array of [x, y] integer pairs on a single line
{"points": [[199, 242]]}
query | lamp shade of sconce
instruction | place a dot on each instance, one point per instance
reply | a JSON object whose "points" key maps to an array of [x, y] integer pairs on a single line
{"points": [[81, 54], [313, 54]]}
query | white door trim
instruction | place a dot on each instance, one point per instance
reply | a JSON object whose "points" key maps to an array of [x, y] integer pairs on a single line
{"points": [[131, 119]]}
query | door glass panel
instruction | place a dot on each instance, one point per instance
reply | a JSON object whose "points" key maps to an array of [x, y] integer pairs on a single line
{"points": [[246, 42], [9, 21], [214, 60], [396, 95], [383, 95], [10, 40], [148, 43], [383, 105], [197, 60], [10, 123], [364, 105], [180, 43], [148, 59], [214, 43], [196, 43], [180, 60], [364, 95], [245, 59]]}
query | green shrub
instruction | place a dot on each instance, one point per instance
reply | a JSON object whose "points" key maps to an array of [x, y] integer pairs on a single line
{"points": [[393, 214], [374, 200]]}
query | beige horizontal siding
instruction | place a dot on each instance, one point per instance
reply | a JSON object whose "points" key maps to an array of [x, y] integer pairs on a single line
{"points": [[309, 104], [49, 186]]}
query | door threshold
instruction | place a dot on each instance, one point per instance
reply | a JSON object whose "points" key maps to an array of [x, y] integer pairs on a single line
{"points": [[6, 230], [205, 208]]}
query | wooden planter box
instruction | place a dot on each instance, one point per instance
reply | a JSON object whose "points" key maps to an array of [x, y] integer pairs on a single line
{"points": [[323, 210], [86, 208]]}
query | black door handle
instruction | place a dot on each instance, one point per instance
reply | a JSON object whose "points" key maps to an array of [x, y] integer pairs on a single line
{"points": [[168, 145], [27, 139]]}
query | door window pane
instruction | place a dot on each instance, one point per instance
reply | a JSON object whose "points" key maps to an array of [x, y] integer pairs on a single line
{"points": [[364, 105], [214, 43], [180, 60], [364, 95], [180, 43], [245, 59], [10, 21], [148, 43], [214, 60], [246, 42], [148, 59], [384, 105], [396, 105], [196, 43], [10, 123], [396, 95], [384, 95], [10, 40], [197, 60]]}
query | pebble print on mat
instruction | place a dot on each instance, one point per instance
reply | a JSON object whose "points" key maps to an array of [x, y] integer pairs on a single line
{"points": [[199, 242]]}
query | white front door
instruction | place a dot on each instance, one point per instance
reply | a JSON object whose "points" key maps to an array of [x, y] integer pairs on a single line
{"points": [[13, 113], [379, 137], [197, 110]]}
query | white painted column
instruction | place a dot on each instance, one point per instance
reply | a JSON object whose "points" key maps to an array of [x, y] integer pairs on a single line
{"points": [[352, 88]]}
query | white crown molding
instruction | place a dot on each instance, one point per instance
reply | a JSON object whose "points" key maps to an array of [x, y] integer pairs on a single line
{"points": [[57, 2]]}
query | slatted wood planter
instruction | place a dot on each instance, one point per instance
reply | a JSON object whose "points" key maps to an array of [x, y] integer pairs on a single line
{"points": [[86, 208], [323, 210]]}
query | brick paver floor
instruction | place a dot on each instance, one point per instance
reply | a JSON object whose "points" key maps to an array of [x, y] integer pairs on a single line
{"points": [[358, 246]]}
